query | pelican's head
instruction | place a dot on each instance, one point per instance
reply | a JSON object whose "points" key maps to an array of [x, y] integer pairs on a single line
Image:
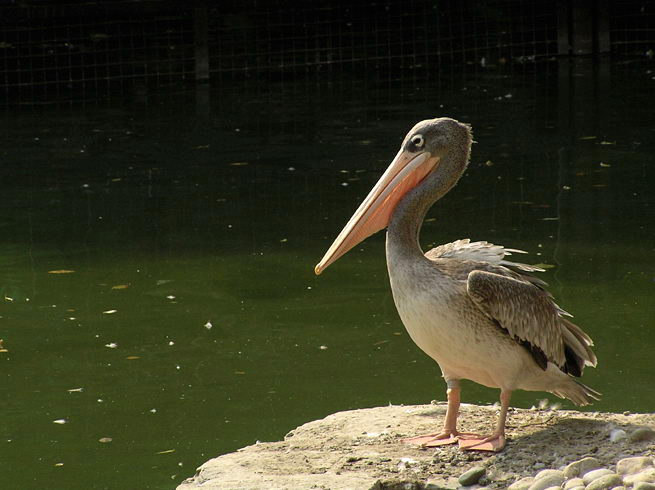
{"points": [[420, 153]]}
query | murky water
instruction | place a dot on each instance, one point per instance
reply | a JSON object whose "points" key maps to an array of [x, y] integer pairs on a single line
{"points": [[128, 230]]}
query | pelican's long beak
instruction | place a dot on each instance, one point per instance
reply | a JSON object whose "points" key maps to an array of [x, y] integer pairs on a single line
{"points": [[404, 173]]}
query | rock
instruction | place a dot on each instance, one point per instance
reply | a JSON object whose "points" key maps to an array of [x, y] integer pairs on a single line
{"points": [[629, 466], [574, 483], [544, 473], [605, 482], [642, 485], [472, 476], [522, 484], [617, 435], [558, 487], [642, 434], [645, 475], [592, 475], [581, 467], [547, 482]]}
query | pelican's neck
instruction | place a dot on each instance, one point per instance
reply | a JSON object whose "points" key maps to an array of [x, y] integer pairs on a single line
{"points": [[407, 218]]}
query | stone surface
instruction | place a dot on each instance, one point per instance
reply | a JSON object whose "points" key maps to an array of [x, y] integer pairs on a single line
{"points": [[361, 448], [545, 473], [642, 434], [642, 485], [645, 475], [605, 482], [472, 476], [592, 475], [618, 435], [574, 482], [547, 482], [580, 467], [522, 484], [628, 466]]}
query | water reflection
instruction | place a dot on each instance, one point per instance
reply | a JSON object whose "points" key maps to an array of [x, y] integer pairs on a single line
{"points": [[215, 209]]}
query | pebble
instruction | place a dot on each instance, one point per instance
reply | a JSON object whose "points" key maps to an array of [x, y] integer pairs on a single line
{"points": [[581, 467], [547, 481], [522, 484], [544, 473], [642, 434], [629, 466], [574, 483], [605, 482], [642, 485], [595, 474], [472, 476], [618, 435], [646, 475]]}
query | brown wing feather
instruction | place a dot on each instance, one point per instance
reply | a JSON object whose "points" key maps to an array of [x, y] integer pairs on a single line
{"points": [[529, 314]]}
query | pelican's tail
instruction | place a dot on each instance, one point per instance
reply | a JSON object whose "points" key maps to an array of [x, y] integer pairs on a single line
{"points": [[577, 392]]}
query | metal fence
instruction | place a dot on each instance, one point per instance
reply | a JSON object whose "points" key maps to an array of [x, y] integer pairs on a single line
{"points": [[52, 50]]}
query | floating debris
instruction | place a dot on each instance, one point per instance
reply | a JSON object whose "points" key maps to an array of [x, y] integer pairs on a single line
{"points": [[166, 451], [238, 164], [112, 345], [60, 421], [121, 286], [109, 312], [2, 347], [603, 164], [75, 390], [61, 271], [105, 440], [323, 347], [208, 325]]}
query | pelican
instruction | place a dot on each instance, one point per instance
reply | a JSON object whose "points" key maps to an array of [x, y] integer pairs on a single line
{"points": [[479, 316]]}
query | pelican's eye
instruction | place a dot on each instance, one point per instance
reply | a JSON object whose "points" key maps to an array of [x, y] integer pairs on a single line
{"points": [[418, 141]]}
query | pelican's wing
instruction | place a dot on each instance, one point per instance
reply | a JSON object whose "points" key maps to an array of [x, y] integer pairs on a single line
{"points": [[480, 252], [531, 317]]}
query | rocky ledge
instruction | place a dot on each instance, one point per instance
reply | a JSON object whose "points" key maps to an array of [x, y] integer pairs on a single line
{"points": [[362, 449]]}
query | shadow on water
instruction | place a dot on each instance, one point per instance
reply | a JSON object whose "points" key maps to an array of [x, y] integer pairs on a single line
{"points": [[192, 323]]}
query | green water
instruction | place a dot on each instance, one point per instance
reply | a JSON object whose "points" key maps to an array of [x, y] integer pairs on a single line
{"points": [[192, 210]]}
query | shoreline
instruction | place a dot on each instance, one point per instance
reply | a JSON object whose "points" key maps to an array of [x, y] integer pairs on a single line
{"points": [[363, 449]]}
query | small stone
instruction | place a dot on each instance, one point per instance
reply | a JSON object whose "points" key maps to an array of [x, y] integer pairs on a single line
{"points": [[642, 485], [646, 475], [629, 466], [547, 482], [617, 435], [605, 482], [574, 483], [545, 473], [522, 484], [472, 476], [581, 467], [642, 434], [592, 475], [558, 487]]}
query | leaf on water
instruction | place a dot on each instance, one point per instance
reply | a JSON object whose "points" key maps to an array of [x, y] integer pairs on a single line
{"points": [[588, 138], [7, 298], [238, 164], [380, 342], [75, 390], [121, 286], [131, 358], [105, 439], [59, 421], [167, 451], [543, 266], [59, 464], [2, 346], [109, 312], [61, 271], [396, 333]]}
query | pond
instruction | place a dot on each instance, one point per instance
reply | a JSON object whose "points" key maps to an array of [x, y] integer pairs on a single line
{"points": [[159, 305]]}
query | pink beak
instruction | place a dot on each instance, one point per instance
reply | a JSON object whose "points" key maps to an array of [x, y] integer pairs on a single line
{"points": [[404, 173]]}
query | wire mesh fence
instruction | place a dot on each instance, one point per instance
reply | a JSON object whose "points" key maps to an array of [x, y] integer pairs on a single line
{"points": [[53, 50]]}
